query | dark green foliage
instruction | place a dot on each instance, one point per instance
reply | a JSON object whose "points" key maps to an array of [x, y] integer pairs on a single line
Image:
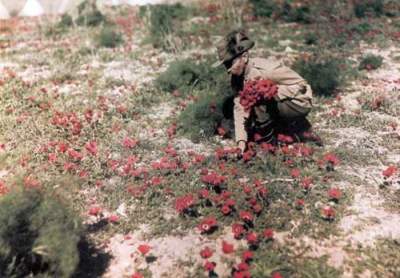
{"points": [[263, 8], [65, 21], [363, 8], [185, 75], [109, 38], [301, 14], [310, 38], [89, 14], [370, 62], [361, 28], [38, 236], [164, 20], [322, 74], [201, 118]]}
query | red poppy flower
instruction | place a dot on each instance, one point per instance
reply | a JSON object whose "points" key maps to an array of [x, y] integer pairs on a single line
{"points": [[137, 275], [91, 147], [276, 275], [285, 139], [227, 248], [207, 224], [209, 266], [230, 202], [204, 193], [257, 208], [213, 179], [74, 154], [113, 218], [144, 249], [252, 238], [184, 202], [95, 210], [221, 131], [389, 171], [268, 233], [242, 274], [243, 266], [237, 230], [295, 173], [299, 204], [334, 193], [226, 210], [129, 143], [247, 255], [306, 183], [246, 216], [328, 213], [206, 253]]}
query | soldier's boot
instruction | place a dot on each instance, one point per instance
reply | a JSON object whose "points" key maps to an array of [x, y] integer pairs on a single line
{"points": [[301, 130]]}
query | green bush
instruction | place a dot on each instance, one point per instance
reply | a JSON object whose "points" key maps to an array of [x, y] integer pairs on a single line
{"points": [[363, 8], [291, 13], [185, 75], [164, 20], [323, 75], [310, 38], [263, 8], [89, 14], [65, 21], [201, 119], [109, 38], [38, 236], [370, 62]]}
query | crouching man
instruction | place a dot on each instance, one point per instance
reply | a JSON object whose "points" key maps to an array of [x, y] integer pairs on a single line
{"points": [[285, 113]]}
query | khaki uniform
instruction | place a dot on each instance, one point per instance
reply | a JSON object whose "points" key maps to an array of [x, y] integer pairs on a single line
{"points": [[294, 98]]}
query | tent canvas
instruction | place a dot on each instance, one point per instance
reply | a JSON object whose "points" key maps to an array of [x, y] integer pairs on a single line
{"points": [[50, 6], [13, 6], [32, 8], [3, 12]]}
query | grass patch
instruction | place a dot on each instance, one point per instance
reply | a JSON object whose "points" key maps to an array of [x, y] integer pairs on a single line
{"points": [[109, 38], [323, 75], [370, 62]]}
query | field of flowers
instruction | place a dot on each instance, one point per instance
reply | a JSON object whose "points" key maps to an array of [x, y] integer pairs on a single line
{"points": [[84, 121]]}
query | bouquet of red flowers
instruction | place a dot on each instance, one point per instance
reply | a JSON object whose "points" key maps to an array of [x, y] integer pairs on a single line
{"points": [[255, 91]]}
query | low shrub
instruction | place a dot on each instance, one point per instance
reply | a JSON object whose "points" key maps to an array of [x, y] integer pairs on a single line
{"points": [[109, 38], [201, 119], [370, 62], [262, 8], [163, 20], [363, 8], [89, 14], [66, 21], [310, 38], [38, 236], [185, 75], [323, 74], [292, 13], [213, 108]]}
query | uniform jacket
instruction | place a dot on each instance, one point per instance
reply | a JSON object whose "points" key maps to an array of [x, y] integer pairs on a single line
{"points": [[291, 87]]}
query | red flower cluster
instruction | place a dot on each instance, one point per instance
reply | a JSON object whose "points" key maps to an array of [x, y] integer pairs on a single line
{"points": [[144, 249], [213, 179], [208, 224], [183, 203], [256, 91], [334, 194], [389, 171]]}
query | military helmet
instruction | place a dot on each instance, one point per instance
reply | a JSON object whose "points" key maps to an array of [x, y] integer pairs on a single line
{"points": [[233, 45]]}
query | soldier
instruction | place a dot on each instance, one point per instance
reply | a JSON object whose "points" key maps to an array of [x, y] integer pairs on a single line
{"points": [[285, 113]]}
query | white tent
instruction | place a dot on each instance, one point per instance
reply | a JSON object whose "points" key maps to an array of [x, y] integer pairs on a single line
{"points": [[32, 8], [3, 12], [50, 6], [13, 6]]}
